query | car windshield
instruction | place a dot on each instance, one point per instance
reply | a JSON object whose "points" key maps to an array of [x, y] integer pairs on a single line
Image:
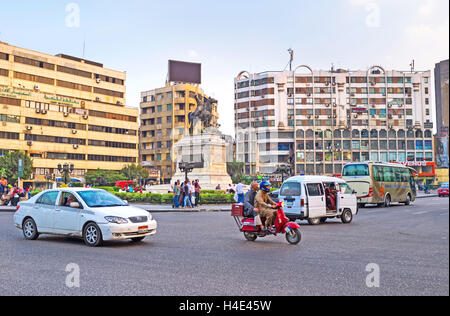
{"points": [[444, 186], [100, 199]]}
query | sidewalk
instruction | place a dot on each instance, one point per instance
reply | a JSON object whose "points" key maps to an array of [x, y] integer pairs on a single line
{"points": [[421, 194], [168, 208], [159, 208]]}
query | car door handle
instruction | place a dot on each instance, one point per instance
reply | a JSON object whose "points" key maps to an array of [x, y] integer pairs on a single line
{"points": [[57, 210]]}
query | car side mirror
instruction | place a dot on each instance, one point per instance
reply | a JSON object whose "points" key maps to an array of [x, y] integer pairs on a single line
{"points": [[74, 205], [125, 201], [354, 192]]}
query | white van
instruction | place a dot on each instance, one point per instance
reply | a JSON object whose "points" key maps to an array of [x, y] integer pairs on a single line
{"points": [[305, 197]]}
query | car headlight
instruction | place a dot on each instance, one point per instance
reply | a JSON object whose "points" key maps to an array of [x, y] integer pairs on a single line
{"points": [[150, 217], [116, 220]]}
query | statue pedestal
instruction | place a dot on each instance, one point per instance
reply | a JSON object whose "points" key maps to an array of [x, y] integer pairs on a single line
{"points": [[208, 148]]}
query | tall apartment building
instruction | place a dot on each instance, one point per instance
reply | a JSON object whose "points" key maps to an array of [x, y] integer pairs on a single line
{"points": [[441, 77], [64, 109], [164, 121], [317, 121]]}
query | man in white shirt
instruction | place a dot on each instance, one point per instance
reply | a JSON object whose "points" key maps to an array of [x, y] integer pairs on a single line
{"points": [[240, 192]]}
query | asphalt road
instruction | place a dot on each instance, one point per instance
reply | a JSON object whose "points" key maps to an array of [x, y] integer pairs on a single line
{"points": [[204, 254]]}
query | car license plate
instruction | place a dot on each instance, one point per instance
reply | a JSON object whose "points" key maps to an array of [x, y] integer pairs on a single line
{"points": [[290, 203], [142, 229], [287, 229]]}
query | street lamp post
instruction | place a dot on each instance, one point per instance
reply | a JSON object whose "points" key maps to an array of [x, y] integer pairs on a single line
{"points": [[66, 170], [188, 167]]}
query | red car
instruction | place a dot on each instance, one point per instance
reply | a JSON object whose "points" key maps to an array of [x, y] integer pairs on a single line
{"points": [[443, 190]]}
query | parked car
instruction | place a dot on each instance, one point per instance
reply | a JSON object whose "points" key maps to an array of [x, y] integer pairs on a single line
{"points": [[306, 198], [443, 190], [92, 214]]}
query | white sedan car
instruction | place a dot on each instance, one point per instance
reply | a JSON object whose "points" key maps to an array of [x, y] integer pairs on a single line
{"points": [[94, 215]]}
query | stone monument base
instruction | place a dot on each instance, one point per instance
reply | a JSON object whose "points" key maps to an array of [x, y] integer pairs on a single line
{"points": [[210, 149]]}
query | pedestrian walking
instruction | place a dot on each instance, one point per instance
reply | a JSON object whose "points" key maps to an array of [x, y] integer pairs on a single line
{"points": [[187, 194], [176, 194], [197, 192], [240, 192]]}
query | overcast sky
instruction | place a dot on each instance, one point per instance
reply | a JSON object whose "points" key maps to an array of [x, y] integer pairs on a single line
{"points": [[227, 37]]}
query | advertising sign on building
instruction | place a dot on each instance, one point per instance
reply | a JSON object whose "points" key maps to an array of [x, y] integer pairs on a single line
{"points": [[442, 160]]}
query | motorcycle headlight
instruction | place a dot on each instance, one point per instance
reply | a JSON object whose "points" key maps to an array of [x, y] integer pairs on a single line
{"points": [[116, 220]]}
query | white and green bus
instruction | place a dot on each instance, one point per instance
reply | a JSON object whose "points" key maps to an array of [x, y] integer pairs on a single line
{"points": [[381, 183]]}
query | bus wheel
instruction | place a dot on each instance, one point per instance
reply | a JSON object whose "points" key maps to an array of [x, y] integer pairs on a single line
{"points": [[408, 200], [387, 201]]}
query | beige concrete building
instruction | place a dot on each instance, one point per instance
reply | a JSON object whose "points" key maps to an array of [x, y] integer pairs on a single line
{"points": [[64, 109], [164, 121], [316, 121]]}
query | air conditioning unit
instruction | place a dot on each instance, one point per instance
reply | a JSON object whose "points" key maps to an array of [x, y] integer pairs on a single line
{"points": [[75, 146], [97, 99], [85, 117], [66, 114], [29, 128], [329, 116], [327, 105], [74, 131], [309, 94], [83, 104], [309, 116], [30, 143], [334, 105], [37, 87], [44, 111], [374, 106], [373, 83], [335, 116], [390, 106], [355, 116], [327, 83], [98, 80], [38, 110]]}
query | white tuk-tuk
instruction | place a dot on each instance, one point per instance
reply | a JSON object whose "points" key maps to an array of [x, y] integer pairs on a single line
{"points": [[309, 197]]}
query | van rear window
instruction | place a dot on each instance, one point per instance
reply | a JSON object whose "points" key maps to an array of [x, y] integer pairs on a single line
{"points": [[360, 170], [291, 189]]}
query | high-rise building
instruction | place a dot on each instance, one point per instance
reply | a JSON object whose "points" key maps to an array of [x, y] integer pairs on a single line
{"points": [[442, 120], [164, 121], [317, 121], [62, 109], [441, 78]]}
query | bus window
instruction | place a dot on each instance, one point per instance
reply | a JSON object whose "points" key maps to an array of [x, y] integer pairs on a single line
{"points": [[378, 174], [356, 171], [389, 175]]}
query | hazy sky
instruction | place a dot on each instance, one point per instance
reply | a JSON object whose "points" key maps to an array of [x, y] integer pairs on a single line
{"points": [[139, 36]]}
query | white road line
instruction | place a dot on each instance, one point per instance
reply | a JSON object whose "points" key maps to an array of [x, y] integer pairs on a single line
{"points": [[420, 213]]}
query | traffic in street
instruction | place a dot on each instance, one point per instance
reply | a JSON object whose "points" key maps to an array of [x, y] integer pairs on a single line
{"points": [[203, 254]]}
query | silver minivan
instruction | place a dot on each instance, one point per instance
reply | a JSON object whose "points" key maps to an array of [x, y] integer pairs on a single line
{"points": [[307, 198]]}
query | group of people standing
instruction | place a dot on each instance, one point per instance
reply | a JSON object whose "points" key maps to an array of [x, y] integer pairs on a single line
{"points": [[12, 194], [186, 194]]}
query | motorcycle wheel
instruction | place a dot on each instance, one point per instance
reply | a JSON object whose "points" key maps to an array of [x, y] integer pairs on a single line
{"points": [[294, 237], [250, 236]]}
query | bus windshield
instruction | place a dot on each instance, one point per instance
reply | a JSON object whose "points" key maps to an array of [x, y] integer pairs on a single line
{"points": [[357, 170]]}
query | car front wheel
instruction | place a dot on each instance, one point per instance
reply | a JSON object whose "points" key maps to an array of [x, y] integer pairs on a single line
{"points": [[92, 235]]}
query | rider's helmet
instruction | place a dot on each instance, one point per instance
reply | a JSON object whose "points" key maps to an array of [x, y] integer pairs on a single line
{"points": [[265, 186]]}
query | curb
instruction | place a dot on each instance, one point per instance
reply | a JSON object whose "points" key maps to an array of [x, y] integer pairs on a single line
{"points": [[427, 196]]}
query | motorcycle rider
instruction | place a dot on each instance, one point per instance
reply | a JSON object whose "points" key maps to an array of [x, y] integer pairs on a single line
{"points": [[265, 205], [249, 204]]}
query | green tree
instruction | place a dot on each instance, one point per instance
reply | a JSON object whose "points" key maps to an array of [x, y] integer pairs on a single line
{"points": [[236, 170], [104, 177], [9, 165], [135, 172]]}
